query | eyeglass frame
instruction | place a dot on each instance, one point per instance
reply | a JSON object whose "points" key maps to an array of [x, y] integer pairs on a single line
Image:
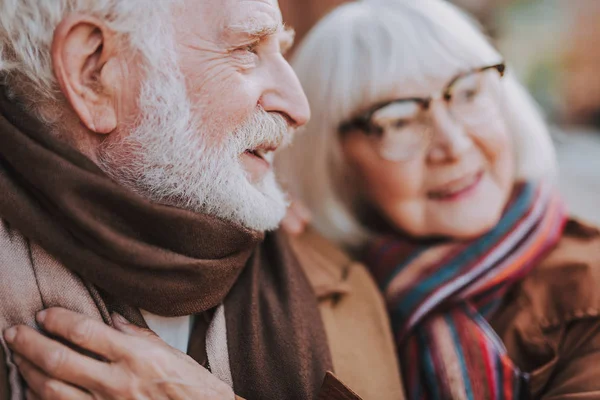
{"points": [[363, 122]]}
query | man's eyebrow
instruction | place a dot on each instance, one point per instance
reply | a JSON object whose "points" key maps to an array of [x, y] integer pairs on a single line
{"points": [[287, 39], [255, 30]]}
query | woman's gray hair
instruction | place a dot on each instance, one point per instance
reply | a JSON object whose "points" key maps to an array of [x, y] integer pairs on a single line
{"points": [[27, 29], [366, 51]]}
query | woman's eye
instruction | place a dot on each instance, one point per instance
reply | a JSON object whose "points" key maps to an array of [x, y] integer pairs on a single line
{"points": [[471, 93], [400, 123], [468, 94], [374, 130]]}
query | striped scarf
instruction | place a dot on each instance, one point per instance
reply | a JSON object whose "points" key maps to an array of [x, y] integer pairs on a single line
{"points": [[440, 296]]}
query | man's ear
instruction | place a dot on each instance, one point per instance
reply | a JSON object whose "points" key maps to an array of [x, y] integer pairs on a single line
{"points": [[82, 52]]}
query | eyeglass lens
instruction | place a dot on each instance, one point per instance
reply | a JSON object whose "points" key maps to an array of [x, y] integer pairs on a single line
{"points": [[405, 127]]}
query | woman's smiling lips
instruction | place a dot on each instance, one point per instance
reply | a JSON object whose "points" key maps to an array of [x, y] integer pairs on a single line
{"points": [[457, 189]]}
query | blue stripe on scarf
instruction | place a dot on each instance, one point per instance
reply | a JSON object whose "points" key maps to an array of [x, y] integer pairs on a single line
{"points": [[517, 386], [431, 382], [428, 366], [455, 267], [460, 355], [499, 377]]}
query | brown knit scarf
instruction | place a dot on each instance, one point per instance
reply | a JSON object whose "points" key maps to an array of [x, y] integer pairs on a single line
{"points": [[165, 260]]}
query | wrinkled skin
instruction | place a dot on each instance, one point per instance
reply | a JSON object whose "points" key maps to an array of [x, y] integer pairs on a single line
{"points": [[229, 72], [140, 365]]}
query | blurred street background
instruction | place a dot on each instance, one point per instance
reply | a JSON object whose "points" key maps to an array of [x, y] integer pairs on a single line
{"points": [[554, 47]]}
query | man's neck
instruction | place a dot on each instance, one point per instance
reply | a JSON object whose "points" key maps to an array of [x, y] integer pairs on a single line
{"points": [[64, 124], [84, 141]]}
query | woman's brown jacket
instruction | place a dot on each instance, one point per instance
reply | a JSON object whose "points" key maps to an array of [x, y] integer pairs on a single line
{"points": [[550, 322]]}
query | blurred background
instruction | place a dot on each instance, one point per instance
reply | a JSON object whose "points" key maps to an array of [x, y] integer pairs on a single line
{"points": [[554, 47]]}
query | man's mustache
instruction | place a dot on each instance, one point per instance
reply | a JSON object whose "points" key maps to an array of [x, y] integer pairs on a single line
{"points": [[264, 129]]}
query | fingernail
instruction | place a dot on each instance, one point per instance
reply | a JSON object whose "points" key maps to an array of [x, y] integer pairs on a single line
{"points": [[121, 319], [41, 316], [10, 334]]}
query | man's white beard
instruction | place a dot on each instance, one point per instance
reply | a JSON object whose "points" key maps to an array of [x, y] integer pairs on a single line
{"points": [[171, 158]]}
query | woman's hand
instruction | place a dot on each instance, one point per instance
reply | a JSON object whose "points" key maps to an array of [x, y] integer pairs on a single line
{"points": [[297, 219], [139, 364]]}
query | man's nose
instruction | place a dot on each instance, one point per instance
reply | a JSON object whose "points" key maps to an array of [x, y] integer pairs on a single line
{"points": [[284, 94], [450, 137]]}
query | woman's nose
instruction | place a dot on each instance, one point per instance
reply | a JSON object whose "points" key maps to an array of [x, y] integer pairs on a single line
{"points": [[450, 137]]}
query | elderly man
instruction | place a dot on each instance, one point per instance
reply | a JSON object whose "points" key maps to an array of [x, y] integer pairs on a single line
{"points": [[136, 139]]}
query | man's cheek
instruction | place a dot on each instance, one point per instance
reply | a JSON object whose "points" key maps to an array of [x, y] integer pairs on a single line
{"points": [[234, 107]]}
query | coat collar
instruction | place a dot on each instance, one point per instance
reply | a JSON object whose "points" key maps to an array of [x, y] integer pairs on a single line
{"points": [[326, 266]]}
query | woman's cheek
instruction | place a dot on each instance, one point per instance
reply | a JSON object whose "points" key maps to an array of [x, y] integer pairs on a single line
{"points": [[388, 186], [498, 149], [493, 139], [395, 185]]}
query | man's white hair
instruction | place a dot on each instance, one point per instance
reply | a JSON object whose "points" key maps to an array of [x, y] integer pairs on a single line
{"points": [[367, 50], [168, 155], [27, 30]]}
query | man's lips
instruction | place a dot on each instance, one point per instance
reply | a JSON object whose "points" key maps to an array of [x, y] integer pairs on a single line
{"points": [[264, 153], [457, 188]]}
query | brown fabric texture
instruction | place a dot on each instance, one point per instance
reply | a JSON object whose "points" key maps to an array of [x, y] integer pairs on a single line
{"points": [[31, 280], [167, 261], [4, 384], [550, 322], [333, 389], [355, 318], [274, 291], [351, 307]]}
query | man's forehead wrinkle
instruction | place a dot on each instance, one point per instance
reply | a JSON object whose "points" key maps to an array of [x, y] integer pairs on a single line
{"points": [[255, 18], [272, 3]]}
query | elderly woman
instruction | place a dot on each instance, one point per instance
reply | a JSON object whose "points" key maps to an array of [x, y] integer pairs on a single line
{"points": [[425, 156]]}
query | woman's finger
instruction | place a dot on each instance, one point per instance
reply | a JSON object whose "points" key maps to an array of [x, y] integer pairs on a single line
{"points": [[84, 332], [41, 386], [57, 360], [296, 219], [292, 225], [302, 211]]}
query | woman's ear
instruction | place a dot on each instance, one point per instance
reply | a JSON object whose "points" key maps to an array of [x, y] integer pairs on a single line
{"points": [[82, 57]]}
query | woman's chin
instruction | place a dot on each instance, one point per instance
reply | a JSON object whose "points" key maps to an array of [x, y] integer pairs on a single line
{"points": [[469, 226], [469, 217]]}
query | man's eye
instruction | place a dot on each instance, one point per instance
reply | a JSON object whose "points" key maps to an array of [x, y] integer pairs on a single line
{"points": [[251, 48]]}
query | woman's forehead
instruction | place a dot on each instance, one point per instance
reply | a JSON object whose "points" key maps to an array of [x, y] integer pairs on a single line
{"points": [[423, 76], [404, 87], [401, 68], [418, 88]]}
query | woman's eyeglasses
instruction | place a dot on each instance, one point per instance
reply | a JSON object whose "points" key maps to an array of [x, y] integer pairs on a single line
{"points": [[401, 128]]}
